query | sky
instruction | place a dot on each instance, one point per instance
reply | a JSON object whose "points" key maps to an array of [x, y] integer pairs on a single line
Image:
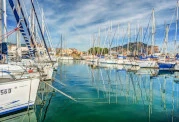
{"points": [[80, 20]]}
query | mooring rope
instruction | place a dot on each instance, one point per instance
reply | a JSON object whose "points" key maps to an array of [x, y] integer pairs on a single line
{"points": [[61, 92]]}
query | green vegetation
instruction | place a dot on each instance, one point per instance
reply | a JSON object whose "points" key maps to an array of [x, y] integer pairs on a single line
{"points": [[98, 50]]}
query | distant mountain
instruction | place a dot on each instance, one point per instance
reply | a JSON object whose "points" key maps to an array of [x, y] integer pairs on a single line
{"points": [[134, 46]]}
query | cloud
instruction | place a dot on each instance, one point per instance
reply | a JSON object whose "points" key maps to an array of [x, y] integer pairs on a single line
{"points": [[79, 19]]}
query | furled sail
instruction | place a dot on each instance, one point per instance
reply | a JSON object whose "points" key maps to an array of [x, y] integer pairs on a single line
{"points": [[21, 28]]}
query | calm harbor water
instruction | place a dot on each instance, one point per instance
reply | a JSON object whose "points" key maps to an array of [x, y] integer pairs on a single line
{"points": [[107, 95]]}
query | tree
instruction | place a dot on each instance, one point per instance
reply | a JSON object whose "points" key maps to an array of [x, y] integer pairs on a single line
{"points": [[98, 51]]}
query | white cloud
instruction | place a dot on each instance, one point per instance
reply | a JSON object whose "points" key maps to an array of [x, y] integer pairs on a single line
{"points": [[78, 19]]}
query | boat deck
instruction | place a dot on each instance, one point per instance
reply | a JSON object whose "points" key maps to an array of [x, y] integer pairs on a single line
{"points": [[5, 80]]}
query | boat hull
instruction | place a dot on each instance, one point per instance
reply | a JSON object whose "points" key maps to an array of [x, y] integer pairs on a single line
{"points": [[166, 66], [177, 67], [147, 64], [108, 61], [18, 94], [65, 58]]}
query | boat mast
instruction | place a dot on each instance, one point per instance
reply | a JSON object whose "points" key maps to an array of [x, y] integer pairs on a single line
{"points": [[166, 40], [61, 45], [18, 42], [117, 43], [147, 50], [153, 32], [128, 38], [141, 39], [5, 18], [137, 40], [1, 12], [1, 26], [99, 41], [176, 30], [111, 39], [43, 27]]}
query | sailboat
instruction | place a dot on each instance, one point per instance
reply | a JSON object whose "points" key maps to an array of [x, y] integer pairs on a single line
{"points": [[165, 63], [144, 61], [176, 32], [64, 56], [121, 58], [20, 92]]}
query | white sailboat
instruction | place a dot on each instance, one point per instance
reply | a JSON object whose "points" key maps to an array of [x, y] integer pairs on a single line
{"points": [[165, 63], [18, 94], [176, 32], [64, 56], [20, 89], [147, 62]]}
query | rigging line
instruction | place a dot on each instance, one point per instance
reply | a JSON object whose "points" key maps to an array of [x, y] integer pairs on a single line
{"points": [[141, 92], [47, 107], [60, 92], [147, 28], [29, 97], [47, 30], [15, 29], [9, 33], [40, 30], [113, 38], [48, 33], [104, 42], [18, 20], [124, 38], [172, 19], [25, 21], [24, 7]]}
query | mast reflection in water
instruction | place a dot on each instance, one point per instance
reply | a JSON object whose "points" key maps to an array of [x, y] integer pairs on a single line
{"points": [[108, 94]]}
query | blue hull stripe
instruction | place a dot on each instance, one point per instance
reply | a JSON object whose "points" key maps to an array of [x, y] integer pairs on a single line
{"points": [[14, 110], [166, 66]]}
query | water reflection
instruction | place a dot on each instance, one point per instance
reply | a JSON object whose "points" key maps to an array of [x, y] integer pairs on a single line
{"points": [[105, 93], [113, 94], [23, 116]]}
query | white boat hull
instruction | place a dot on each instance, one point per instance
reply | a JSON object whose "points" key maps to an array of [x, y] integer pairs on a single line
{"points": [[108, 61], [147, 64], [65, 58], [12, 68], [17, 95], [176, 67]]}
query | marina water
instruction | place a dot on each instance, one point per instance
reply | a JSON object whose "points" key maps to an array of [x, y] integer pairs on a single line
{"points": [[104, 94]]}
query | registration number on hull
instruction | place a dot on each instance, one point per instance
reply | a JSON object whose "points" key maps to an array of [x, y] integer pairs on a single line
{"points": [[5, 91]]}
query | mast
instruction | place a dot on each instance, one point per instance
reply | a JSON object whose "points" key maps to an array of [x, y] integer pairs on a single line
{"points": [[5, 25], [153, 32], [43, 26], [1, 13], [5, 18], [176, 30], [166, 40], [111, 38], [147, 50], [123, 43], [61, 45], [99, 39], [117, 44], [38, 23], [18, 42], [128, 38], [137, 40], [141, 38]]}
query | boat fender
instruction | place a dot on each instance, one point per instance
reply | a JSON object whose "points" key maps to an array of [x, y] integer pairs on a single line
{"points": [[30, 70]]}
